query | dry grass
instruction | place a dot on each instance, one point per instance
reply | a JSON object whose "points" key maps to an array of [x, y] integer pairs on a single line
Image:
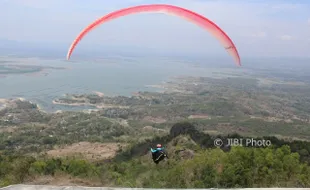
{"points": [[87, 150], [61, 179], [154, 119], [199, 117]]}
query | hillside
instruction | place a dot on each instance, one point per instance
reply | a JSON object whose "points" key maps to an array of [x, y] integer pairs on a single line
{"points": [[109, 146], [193, 162]]}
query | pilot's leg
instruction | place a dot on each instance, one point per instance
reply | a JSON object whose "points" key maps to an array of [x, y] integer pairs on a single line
{"points": [[159, 158]]}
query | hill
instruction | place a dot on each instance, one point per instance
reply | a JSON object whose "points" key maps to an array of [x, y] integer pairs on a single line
{"points": [[109, 146], [194, 162]]}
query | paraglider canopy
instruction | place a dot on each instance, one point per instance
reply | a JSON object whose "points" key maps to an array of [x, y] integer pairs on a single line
{"points": [[200, 20]]}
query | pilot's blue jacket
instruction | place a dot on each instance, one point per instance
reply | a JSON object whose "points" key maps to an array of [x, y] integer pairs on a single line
{"points": [[156, 150]]}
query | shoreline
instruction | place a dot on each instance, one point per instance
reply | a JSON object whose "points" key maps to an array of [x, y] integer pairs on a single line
{"points": [[3, 103], [98, 106], [42, 70], [162, 88]]}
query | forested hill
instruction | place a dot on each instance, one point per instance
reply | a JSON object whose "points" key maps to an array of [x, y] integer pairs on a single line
{"points": [[207, 141], [194, 162]]}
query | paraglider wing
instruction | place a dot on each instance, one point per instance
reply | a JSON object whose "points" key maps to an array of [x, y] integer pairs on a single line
{"points": [[168, 9]]}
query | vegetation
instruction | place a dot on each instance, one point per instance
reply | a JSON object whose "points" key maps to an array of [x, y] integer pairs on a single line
{"points": [[241, 167], [187, 120], [284, 164]]}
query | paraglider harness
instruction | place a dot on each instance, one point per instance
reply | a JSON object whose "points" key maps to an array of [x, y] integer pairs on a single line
{"points": [[158, 155]]}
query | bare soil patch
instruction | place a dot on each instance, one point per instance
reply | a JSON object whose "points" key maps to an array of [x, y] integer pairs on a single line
{"points": [[87, 150]]}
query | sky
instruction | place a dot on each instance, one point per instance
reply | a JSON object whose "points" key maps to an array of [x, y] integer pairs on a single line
{"points": [[257, 27]]}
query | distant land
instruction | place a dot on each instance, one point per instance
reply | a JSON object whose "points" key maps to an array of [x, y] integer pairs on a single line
{"points": [[93, 51], [6, 69]]}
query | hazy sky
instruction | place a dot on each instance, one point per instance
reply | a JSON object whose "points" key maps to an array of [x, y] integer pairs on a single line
{"points": [[258, 27]]}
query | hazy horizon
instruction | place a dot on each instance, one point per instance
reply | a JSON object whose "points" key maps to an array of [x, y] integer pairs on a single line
{"points": [[258, 28], [29, 49]]}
